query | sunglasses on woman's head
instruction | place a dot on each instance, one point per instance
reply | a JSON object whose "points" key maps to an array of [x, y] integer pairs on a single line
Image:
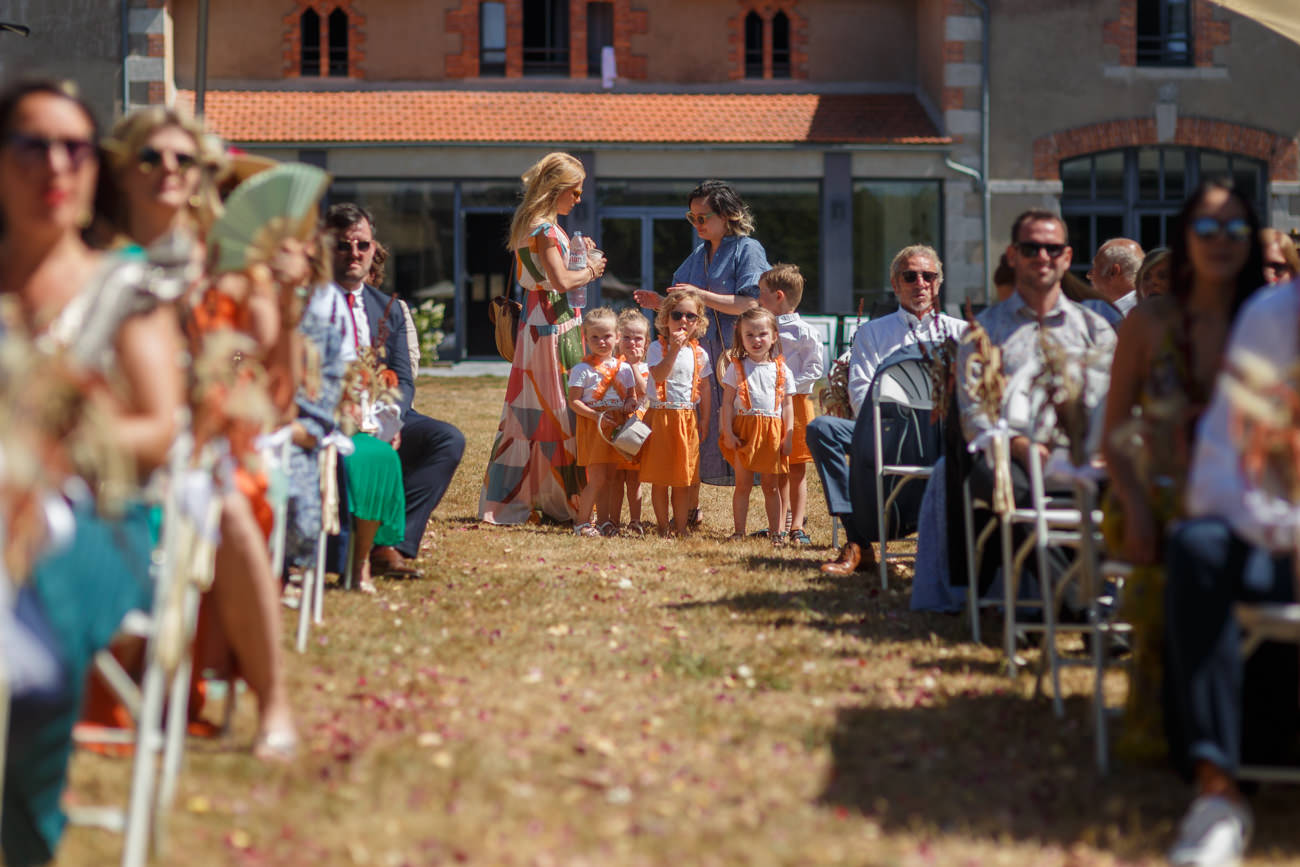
{"points": [[910, 276], [1235, 229], [679, 315], [32, 150], [151, 158]]}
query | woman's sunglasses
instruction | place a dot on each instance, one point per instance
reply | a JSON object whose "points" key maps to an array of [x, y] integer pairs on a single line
{"points": [[679, 315], [1235, 229], [150, 158], [698, 219], [34, 150]]}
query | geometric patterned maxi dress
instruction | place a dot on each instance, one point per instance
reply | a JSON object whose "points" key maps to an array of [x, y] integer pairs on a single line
{"points": [[534, 457]]}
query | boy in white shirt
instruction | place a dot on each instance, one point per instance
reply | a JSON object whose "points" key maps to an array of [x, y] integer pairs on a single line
{"points": [[780, 290]]}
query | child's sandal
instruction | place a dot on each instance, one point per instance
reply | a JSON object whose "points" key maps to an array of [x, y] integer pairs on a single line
{"points": [[587, 531], [778, 539], [800, 538]]}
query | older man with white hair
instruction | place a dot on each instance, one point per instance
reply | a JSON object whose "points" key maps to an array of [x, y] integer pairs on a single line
{"points": [[1114, 272], [915, 275]]}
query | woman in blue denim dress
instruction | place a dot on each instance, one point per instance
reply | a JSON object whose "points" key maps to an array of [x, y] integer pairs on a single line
{"points": [[724, 270]]}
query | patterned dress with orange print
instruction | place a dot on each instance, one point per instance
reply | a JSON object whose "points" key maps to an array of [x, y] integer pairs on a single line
{"points": [[533, 465], [671, 455], [758, 424]]}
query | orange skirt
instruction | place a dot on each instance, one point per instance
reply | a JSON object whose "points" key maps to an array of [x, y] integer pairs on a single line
{"points": [[592, 448], [760, 445], [803, 413], [671, 454]]}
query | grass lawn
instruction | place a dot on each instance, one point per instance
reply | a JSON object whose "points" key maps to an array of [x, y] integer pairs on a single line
{"points": [[539, 699]]}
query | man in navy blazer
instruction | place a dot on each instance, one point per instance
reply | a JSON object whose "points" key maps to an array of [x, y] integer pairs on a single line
{"points": [[430, 449]]}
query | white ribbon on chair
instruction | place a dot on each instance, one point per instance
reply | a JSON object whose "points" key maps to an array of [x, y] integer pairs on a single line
{"points": [[995, 442], [343, 444]]}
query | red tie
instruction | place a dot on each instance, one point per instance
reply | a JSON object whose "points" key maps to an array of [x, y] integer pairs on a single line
{"points": [[352, 309]]}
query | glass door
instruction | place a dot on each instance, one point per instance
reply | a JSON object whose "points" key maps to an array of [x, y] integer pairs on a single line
{"points": [[485, 273], [643, 246]]}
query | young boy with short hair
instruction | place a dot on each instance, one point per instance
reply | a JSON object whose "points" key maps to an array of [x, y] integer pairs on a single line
{"points": [[780, 290]]}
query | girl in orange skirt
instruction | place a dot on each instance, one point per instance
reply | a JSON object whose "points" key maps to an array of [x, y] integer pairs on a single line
{"points": [[633, 335], [757, 418], [670, 459], [595, 388]]}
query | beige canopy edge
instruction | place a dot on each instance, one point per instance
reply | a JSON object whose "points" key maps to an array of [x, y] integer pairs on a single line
{"points": [[1280, 16]]}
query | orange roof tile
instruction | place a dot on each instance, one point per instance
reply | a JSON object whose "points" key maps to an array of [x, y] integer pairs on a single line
{"points": [[533, 116]]}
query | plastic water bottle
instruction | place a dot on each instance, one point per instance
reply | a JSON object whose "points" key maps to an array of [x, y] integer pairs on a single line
{"points": [[578, 262]]}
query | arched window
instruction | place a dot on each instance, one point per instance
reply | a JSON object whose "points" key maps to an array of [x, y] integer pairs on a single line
{"points": [[753, 45], [780, 45], [338, 36], [1136, 193], [309, 42]]}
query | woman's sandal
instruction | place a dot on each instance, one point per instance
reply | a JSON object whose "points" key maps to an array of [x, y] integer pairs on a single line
{"points": [[609, 529], [636, 527], [276, 746], [800, 537], [736, 537], [694, 519]]}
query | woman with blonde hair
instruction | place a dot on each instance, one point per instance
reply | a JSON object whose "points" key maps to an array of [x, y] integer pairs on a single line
{"points": [[533, 466], [162, 173]]}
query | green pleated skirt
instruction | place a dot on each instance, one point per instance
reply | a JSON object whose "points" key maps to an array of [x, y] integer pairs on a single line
{"points": [[375, 491]]}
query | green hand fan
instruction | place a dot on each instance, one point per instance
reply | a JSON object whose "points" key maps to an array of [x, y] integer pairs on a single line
{"points": [[273, 205]]}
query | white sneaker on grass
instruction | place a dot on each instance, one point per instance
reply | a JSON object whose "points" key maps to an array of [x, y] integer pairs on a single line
{"points": [[1214, 833]]}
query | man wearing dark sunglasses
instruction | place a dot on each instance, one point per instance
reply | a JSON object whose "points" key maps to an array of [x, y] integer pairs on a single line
{"points": [[430, 450], [1039, 255], [842, 449]]}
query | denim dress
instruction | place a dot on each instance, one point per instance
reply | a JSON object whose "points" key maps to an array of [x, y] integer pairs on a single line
{"points": [[734, 270]]}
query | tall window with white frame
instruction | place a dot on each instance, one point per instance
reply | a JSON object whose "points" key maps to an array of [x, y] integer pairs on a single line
{"points": [[492, 39], [1164, 32], [546, 37]]}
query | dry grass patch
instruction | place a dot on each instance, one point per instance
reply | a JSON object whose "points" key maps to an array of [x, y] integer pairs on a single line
{"points": [[541, 699]]}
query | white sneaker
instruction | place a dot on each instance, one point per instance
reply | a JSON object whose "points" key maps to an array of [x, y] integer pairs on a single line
{"points": [[1214, 833]]}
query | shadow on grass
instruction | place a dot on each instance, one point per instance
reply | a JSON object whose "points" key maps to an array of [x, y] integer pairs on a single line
{"points": [[995, 766]]}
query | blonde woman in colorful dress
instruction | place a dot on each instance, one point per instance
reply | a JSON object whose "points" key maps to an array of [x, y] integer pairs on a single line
{"points": [[533, 467]]}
